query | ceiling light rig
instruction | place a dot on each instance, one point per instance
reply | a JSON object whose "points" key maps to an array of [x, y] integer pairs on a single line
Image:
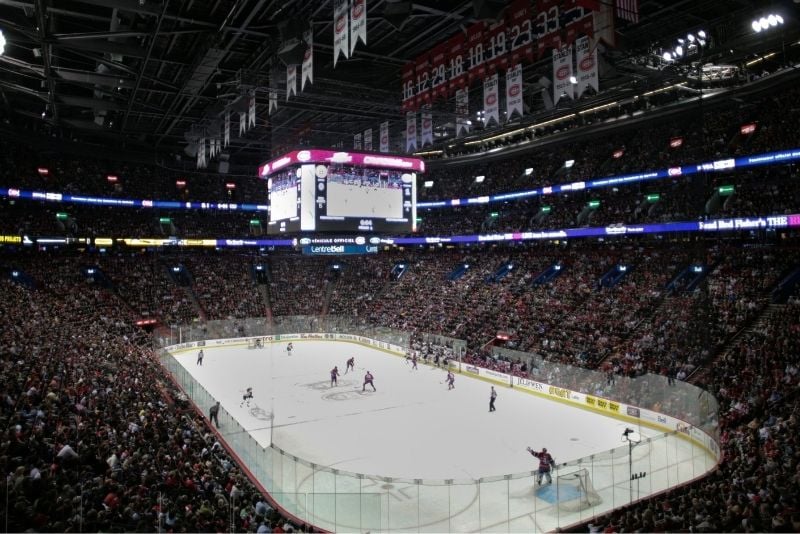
{"points": [[2, 43], [767, 22]]}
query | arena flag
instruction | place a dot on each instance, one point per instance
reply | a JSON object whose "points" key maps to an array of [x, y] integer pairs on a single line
{"points": [[341, 17], [307, 70], [384, 136], [562, 70], [491, 101], [357, 141], [368, 139], [358, 23], [242, 123], [227, 136], [427, 128], [291, 81], [273, 101], [586, 57], [514, 91], [411, 131], [251, 111], [462, 111]]}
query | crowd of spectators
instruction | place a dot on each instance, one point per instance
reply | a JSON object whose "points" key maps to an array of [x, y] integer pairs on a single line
{"points": [[95, 436], [88, 407]]}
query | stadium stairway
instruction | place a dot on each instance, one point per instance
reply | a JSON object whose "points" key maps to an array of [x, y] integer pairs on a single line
{"points": [[201, 313], [700, 375], [263, 290], [643, 321]]}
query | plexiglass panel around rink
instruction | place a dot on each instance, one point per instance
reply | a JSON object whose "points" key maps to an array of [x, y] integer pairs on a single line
{"points": [[514, 502]]}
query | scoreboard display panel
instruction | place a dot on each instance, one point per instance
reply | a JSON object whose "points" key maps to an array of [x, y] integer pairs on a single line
{"points": [[283, 201], [326, 191]]}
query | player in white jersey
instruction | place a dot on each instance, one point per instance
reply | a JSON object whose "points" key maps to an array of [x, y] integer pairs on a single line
{"points": [[289, 349]]}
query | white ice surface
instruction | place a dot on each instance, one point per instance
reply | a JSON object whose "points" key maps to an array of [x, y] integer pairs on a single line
{"points": [[412, 427]]}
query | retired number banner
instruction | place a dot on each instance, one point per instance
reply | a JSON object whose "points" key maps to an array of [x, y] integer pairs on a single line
{"points": [[491, 101], [562, 71], [514, 91], [384, 136]]}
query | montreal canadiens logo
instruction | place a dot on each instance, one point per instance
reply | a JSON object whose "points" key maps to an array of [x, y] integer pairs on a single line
{"points": [[384, 140], [340, 22], [426, 123], [562, 73], [514, 90], [358, 9], [587, 63], [491, 99], [307, 54], [411, 129]]}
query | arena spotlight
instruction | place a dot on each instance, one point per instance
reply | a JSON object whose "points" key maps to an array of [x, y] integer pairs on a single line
{"points": [[428, 183], [479, 179], [2, 43], [573, 80], [667, 56], [679, 51], [569, 163], [528, 171], [764, 23], [701, 34]]}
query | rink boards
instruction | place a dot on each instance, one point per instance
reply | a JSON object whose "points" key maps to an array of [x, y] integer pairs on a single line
{"points": [[336, 495]]}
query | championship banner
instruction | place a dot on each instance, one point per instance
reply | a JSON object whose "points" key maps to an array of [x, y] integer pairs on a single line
{"points": [[409, 89], [427, 128], [475, 51], [411, 131], [384, 136], [357, 141], [439, 72], [341, 45], [273, 101], [307, 69], [242, 123], [514, 91], [491, 101], [520, 31], [291, 81], [227, 135], [201, 153], [462, 111], [495, 47], [586, 58], [423, 80], [456, 70], [562, 70], [251, 112], [358, 23], [368, 139]]}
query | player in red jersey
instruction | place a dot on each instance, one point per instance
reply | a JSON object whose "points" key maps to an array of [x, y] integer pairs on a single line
{"points": [[451, 381], [368, 380], [546, 462], [334, 376], [351, 365]]}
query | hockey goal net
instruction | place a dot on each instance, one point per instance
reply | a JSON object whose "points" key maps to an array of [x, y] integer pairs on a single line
{"points": [[574, 491], [254, 343]]}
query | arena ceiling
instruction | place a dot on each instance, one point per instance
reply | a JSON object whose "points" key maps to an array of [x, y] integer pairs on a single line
{"points": [[144, 73]]}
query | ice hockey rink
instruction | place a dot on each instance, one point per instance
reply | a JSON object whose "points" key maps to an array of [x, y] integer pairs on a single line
{"points": [[354, 201], [414, 428]]}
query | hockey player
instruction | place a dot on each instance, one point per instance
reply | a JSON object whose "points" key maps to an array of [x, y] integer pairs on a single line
{"points": [[546, 463], [351, 365], [451, 380], [414, 361], [368, 380], [248, 395], [492, 398], [334, 376], [289, 349], [200, 358]]}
